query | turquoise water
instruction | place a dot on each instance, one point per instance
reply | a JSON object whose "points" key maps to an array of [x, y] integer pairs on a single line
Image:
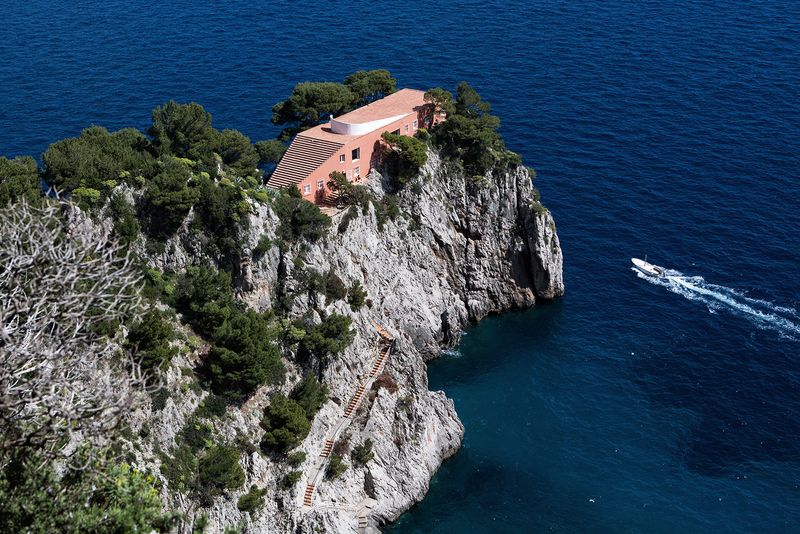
{"points": [[668, 129]]}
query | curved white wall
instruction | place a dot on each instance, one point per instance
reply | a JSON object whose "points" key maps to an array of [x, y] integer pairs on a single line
{"points": [[361, 128]]}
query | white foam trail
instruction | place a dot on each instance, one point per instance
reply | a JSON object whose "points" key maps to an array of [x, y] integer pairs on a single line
{"points": [[762, 313]]}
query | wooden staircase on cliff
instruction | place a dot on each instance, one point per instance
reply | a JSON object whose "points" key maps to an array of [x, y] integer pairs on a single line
{"points": [[309, 495]]}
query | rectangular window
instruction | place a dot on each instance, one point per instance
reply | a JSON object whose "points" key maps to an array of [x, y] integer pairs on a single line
{"points": [[405, 128], [320, 185], [415, 125], [356, 172], [341, 158], [356, 154], [396, 132], [306, 189]]}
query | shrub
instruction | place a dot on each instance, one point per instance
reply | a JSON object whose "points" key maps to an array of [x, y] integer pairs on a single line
{"points": [[331, 336], [363, 453], [245, 355], [96, 157], [205, 296], [285, 423], [149, 340], [252, 501], [212, 406], [183, 130], [296, 458], [300, 219], [291, 478], [356, 296], [405, 156], [336, 467], [36, 497], [236, 151], [264, 244], [19, 179], [126, 225], [310, 394], [334, 287], [219, 470], [169, 197]]}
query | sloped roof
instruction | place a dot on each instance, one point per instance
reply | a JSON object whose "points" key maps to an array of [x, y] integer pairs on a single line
{"points": [[314, 146], [304, 156]]}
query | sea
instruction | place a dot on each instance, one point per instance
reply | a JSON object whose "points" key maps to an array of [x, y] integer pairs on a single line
{"points": [[662, 129]]}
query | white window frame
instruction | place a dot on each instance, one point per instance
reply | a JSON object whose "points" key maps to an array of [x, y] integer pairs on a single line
{"points": [[415, 124], [341, 158], [320, 185], [358, 150], [357, 171], [405, 128], [307, 189]]}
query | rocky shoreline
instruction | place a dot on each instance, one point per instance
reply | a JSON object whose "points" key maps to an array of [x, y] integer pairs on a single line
{"points": [[463, 249]]}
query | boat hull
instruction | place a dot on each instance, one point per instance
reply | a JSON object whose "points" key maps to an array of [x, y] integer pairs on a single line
{"points": [[648, 269]]}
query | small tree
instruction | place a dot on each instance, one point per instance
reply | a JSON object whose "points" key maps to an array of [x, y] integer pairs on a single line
{"points": [[336, 467], [19, 179], [285, 423], [219, 470], [405, 155], [356, 296], [310, 394], [363, 453], [149, 340], [252, 501]]}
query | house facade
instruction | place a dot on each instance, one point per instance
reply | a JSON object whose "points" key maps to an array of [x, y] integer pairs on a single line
{"points": [[348, 144]]}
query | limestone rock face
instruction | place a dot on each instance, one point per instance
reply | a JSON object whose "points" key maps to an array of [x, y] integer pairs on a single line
{"points": [[461, 249]]}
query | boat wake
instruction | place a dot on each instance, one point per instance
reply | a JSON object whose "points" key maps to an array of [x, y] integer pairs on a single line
{"points": [[762, 313]]}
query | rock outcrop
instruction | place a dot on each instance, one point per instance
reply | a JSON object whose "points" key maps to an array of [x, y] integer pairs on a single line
{"points": [[462, 248]]}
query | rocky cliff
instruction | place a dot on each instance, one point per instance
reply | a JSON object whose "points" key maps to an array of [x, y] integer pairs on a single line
{"points": [[461, 249]]}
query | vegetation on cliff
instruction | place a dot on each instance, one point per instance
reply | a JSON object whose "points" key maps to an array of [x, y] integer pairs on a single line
{"points": [[184, 189]]}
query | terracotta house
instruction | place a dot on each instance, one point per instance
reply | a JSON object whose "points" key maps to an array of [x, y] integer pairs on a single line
{"points": [[347, 143]]}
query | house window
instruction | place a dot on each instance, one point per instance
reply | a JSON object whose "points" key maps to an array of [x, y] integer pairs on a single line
{"points": [[415, 125], [356, 172], [341, 158], [320, 185], [306, 189], [356, 154], [396, 132], [405, 128]]}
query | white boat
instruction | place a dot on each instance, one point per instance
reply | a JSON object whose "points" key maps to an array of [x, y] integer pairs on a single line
{"points": [[648, 268]]}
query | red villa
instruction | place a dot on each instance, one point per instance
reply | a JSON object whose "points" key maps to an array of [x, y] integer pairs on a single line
{"points": [[347, 143]]}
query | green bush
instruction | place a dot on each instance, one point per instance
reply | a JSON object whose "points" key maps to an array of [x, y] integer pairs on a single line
{"points": [[334, 287], [219, 470], [205, 296], [291, 478], [19, 179], [331, 336], [220, 216], [212, 406], [149, 340], [252, 501], [112, 498], [336, 467], [183, 130], [356, 296], [296, 458], [300, 219], [236, 151], [169, 196], [123, 215], [95, 158], [404, 156], [363, 453], [310, 394], [286, 424], [264, 244], [245, 355]]}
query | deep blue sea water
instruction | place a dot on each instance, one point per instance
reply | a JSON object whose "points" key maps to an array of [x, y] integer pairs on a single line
{"points": [[663, 128]]}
